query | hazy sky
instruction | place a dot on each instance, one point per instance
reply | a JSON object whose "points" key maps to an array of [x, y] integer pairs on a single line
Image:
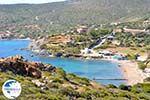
{"points": [[27, 1]]}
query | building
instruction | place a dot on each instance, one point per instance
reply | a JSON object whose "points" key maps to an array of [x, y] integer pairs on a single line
{"points": [[110, 37], [106, 53], [86, 51], [82, 29]]}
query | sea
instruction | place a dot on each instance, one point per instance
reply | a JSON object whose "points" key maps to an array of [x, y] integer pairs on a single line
{"points": [[101, 71]]}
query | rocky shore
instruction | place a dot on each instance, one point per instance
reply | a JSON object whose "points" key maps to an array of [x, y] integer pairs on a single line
{"points": [[130, 71], [46, 82], [19, 66], [36, 47]]}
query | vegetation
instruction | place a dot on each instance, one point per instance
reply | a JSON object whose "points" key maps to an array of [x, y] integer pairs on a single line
{"points": [[59, 17], [130, 40], [77, 43], [55, 84], [147, 79], [142, 65], [100, 32], [57, 91]]}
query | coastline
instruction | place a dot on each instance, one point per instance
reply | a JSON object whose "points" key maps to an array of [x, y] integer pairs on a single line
{"points": [[18, 39], [128, 68], [131, 72]]}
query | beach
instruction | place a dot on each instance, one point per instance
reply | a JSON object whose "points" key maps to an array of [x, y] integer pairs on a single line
{"points": [[131, 72]]}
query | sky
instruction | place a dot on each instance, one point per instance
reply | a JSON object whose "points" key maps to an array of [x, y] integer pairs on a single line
{"points": [[27, 1]]}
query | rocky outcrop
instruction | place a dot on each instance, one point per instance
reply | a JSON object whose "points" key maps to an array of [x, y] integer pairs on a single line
{"points": [[36, 46], [45, 46], [18, 65]]}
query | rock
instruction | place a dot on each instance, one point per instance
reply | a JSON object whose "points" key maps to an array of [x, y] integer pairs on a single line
{"points": [[38, 83], [17, 65], [59, 55], [46, 67], [44, 88], [36, 44]]}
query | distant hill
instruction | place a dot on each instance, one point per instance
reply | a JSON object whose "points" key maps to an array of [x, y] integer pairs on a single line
{"points": [[59, 16]]}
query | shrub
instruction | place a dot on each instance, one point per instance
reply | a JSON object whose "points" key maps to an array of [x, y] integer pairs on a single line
{"points": [[53, 85], [141, 65], [146, 87], [147, 79], [61, 72], [82, 80], [124, 87], [69, 91], [141, 88], [58, 80], [132, 56], [111, 86]]}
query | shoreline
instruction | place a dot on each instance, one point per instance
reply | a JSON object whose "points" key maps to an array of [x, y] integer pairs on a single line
{"points": [[18, 39], [128, 68], [131, 72]]}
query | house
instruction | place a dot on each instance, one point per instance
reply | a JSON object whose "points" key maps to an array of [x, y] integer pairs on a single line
{"points": [[110, 37], [106, 53], [82, 29], [142, 58], [86, 51]]}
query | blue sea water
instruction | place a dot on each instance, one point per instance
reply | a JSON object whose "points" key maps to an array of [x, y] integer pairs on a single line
{"points": [[85, 68]]}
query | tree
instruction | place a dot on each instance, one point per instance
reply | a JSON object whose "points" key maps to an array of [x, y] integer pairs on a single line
{"points": [[141, 65], [100, 32]]}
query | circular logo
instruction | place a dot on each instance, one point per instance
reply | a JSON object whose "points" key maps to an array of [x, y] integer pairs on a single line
{"points": [[11, 89]]}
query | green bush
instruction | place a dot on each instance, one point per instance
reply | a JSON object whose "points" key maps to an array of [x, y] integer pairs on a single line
{"points": [[124, 87], [83, 81], [132, 56], [141, 65], [111, 86], [141, 88], [60, 72], [69, 91]]}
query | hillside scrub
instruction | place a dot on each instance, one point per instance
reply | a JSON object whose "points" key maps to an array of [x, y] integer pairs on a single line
{"points": [[59, 85]]}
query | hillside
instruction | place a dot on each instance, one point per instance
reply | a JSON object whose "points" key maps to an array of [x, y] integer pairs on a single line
{"points": [[46, 82], [61, 16]]}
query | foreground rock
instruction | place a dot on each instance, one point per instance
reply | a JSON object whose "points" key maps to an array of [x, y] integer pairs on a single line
{"points": [[46, 82], [18, 65]]}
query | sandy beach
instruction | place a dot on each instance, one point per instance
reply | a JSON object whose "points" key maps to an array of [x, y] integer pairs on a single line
{"points": [[131, 72]]}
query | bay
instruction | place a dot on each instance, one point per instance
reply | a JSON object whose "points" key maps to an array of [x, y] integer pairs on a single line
{"points": [[92, 69]]}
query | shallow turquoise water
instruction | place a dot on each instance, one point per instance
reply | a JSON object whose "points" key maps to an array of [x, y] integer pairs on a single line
{"points": [[86, 68]]}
